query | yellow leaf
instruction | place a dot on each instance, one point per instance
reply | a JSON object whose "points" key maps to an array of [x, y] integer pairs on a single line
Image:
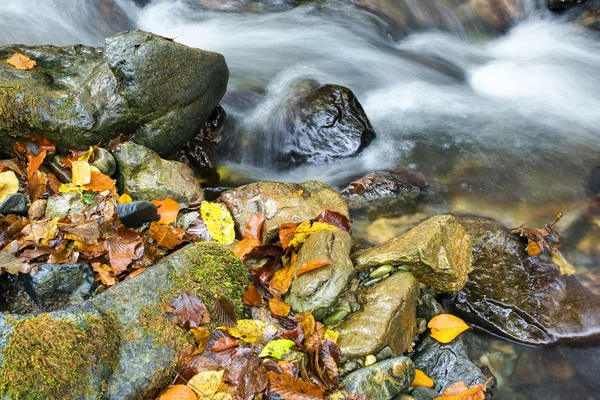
{"points": [[206, 383], [167, 209], [252, 330], [305, 229], [370, 360], [20, 61], [87, 155], [421, 380], [125, 198], [282, 278], [202, 335], [446, 327], [332, 335], [279, 307], [565, 267], [219, 222], [9, 184], [69, 187], [178, 392], [81, 173], [307, 322]]}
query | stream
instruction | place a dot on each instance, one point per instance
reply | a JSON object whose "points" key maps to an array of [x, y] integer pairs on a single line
{"points": [[505, 119]]}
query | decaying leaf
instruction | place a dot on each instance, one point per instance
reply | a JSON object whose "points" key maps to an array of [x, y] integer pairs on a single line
{"points": [[277, 348], [219, 222], [21, 61], [178, 392], [252, 297], [189, 311], [421, 380], [446, 327], [305, 229], [167, 209], [9, 184], [312, 265], [166, 236], [547, 237], [279, 307], [206, 384], [224, 312]]}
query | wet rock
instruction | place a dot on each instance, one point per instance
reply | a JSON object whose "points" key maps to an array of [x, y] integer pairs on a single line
{"points": [[37, 209], [561, 5], [62, 204], [14, 204], [437, 252], [137, 213], [388, 318], [428, 306], [145, 176], [423, 393], [522, 298], [104, 161], [156, 90], [587, 16], [108, 348], [448, 363], [281, 203], [383, 380], [319, 290], [54, 285]]}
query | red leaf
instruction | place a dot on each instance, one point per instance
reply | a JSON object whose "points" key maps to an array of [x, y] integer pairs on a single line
{"points": [[225, 343], [189, 311], [254, 226], [312, 264], [334, 218]]}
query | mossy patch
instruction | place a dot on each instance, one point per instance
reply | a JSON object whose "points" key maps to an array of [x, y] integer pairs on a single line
{"points": [[17, 107], [49, 358]]}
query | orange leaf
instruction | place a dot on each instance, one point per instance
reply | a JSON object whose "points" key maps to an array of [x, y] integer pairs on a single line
{"points": [[287, 233], [282, 278], [100, 182], [279, 307], [313, 264], [104, 273], [252, 297], [244, 247], [36, 185], [178, 392], [166, 236], [34, 162], [289, 388], [254, 226], [225, 343], [446, 327], [533, 249], [306, 321], [460, 391], [421, 380], [20, 61], [167, 209]]}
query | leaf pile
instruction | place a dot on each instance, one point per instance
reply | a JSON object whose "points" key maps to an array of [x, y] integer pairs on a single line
{"points": [[540, 239]]}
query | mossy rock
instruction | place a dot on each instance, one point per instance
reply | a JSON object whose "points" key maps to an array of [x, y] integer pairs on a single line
{"points": [[120, 344]]}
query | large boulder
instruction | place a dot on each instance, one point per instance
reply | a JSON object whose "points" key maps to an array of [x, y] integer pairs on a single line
{"points": [[437, 252], [145, 176], [523, 298], [388, 318], [281, 203], [319, 290], [119, 344], [156, 90], [383, 380]]}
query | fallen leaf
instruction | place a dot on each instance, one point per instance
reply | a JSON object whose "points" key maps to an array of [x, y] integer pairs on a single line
{"points": [[34, 162], [224, 312], [277, 348], [279, 307], [421, 380], [219, 222], [86, 232], [282, 278], [331, 334], [125, 198], [251, 330], [312, 265], [166, 236], [206, 383], [13, 164], [104, 273], [199, 231], [293, 389], [446, 327], [167, 209], [224, 343], [306, 321], [202, 335], [121, 253], [547, 237], [178, 392], [305, 229], [254, 226], [334, 218], [189, 311], [21, 61], [36, 185], [244, 247], [100, 182], [286, 233], [81, 173], [9, 184], [460, 391], [252, 297], [87, 155]]}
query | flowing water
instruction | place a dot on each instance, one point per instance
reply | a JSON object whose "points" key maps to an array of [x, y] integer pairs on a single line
{"points": [[507, 121]]}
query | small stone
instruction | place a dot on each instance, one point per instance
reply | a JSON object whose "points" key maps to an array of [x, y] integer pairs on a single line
{"points": [[336, 317], [372, 282], [385, 353], [423, 393], [62, 204], [104, 161], [14, 204], [137, 213], [382, 380], [37, 209], [381, 271], [349, 366], [370, 360], [428, 307]]}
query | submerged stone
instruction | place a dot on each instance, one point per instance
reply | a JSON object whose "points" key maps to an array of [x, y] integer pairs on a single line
{"points": [[437, 252], [383, 380]]}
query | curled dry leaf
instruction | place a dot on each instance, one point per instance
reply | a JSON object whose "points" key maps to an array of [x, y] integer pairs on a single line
{"points": [[9, 184], [421, 379], [167, 209], [21, 61], [312, 265], [252, 297], [446, 327], [178, 392]]}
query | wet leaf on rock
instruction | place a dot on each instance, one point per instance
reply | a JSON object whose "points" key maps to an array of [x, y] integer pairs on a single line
{"points": [[244, 247], [199, 231], [251, 330], [460, 391], [421, 379], [446, 327], [312, 265], [167, 209], [219, 222], [36, 185], [21, 61], [189, 311], [34, 162], [286, 234], [104, 273], [305, 229], [334, 218], [254, 226], [547, 237], [81, 172], [100, 182], [282, 278]]}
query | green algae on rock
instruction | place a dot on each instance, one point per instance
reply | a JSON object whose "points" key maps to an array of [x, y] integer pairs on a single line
{"points": [[437, 252]]}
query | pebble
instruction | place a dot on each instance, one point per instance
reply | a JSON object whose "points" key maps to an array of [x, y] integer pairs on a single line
{"points": [[14, 204], [137, 213], [370, 360], [372, 282], [104, 161], [381, 271], [336, 317]]}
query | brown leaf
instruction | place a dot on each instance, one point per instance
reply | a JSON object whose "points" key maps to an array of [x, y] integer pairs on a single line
{"points": [[279, 307], [166, 236], [547, 237], [167, 209], [225, 343], [100, 182], [53, 183], [244, 247], [334, 218], [86, 232], [312, 342], [104, 273], [115, 144], [312, 264], [199, 231], [42, 142], [293, 389], [13, 164], [224, 312], [122, 250], [282, 278], [34, 162], [252, 297], [286, 234], [307, 322], [254, 226], [189, 311], [21, 61], [460, 391], [36, 185]]}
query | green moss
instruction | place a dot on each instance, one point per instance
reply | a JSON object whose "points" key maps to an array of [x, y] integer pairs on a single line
{"points": [[154, 321], [17, 107], [55, 358]]}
